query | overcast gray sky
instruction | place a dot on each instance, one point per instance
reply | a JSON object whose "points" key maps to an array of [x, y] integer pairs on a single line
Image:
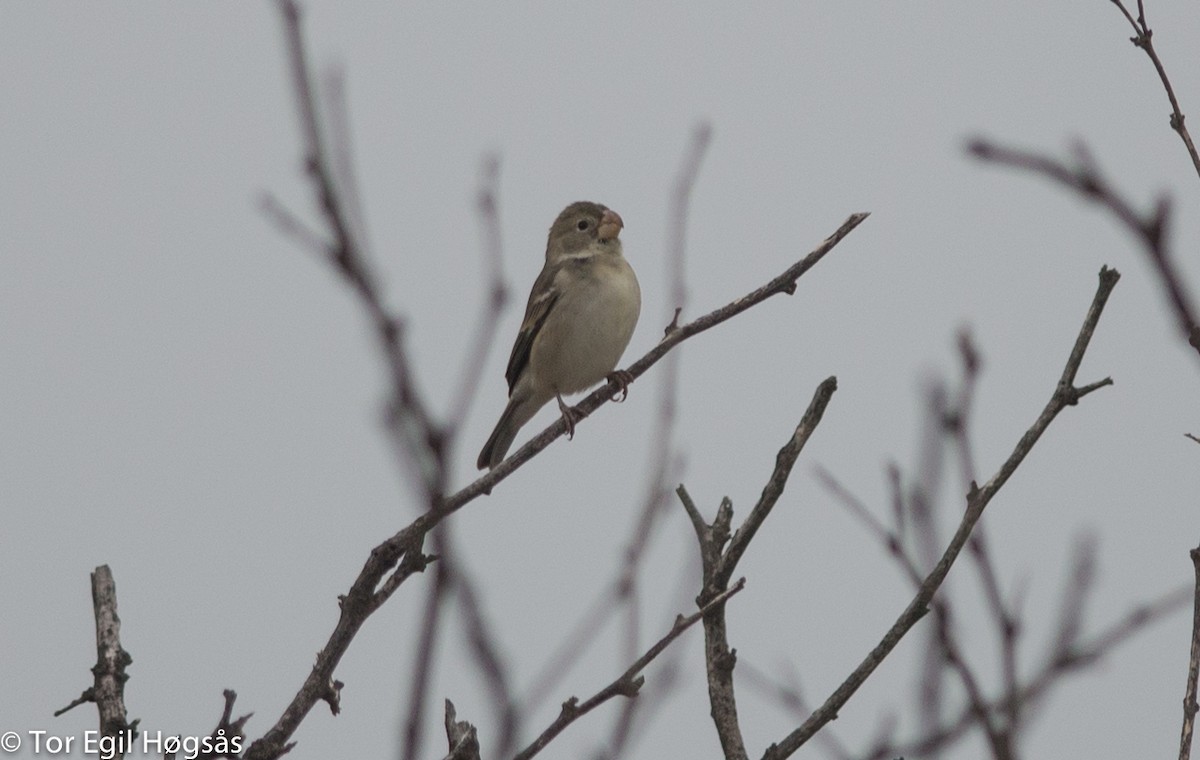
{"points": [[194, 400]]}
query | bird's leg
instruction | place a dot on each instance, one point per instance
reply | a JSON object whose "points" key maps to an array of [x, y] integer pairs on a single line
{"points": [[622, 378], [569, 415]]}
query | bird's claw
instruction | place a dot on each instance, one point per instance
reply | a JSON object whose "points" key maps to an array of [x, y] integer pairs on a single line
{"points": [[621, 378], [569, 416]]}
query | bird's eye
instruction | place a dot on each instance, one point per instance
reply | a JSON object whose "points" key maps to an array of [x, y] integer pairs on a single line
{"points": [[583, 224]]}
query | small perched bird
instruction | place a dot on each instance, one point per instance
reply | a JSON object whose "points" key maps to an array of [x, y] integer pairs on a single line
{"points": [[579, 319]]}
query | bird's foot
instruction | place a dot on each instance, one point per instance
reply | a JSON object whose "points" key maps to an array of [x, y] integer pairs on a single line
{"points": [[569, 415], [621, 378]]}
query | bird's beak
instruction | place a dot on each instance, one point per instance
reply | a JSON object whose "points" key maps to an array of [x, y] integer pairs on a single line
{"points": [[610, 225]]}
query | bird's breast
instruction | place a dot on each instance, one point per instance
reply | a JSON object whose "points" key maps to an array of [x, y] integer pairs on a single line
{"points": [[583, 342]]}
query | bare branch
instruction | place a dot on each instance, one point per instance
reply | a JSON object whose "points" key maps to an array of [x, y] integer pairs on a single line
{"points": [[950, 653], [108, 687], [693, 513], [341, 155], [785, 282], [628, 683], [946, 420], [771, 492], [356, 606], [1150, 228], [111, 657], [1143, 38], [1190, 707], [1065, 394]]}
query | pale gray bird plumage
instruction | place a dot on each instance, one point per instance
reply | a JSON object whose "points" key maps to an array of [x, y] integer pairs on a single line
{"points": [[581, 314]]}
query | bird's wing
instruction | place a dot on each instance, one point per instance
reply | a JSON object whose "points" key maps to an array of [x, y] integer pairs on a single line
{"points": [[541, 301]]}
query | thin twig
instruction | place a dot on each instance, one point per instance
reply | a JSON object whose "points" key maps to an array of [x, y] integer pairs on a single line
{"points": [[660, 446], [784, 461], [1070, 616], [1143, 38], [958, 415], [628, 683]]}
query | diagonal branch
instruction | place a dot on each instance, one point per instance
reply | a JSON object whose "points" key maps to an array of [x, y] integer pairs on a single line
{"points": [[1065, 394], [628, 683], [771, 492], [785, 282], [1038, 686]]}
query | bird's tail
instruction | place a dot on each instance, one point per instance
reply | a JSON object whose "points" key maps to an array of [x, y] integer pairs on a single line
{"points": [[520, 410]]}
